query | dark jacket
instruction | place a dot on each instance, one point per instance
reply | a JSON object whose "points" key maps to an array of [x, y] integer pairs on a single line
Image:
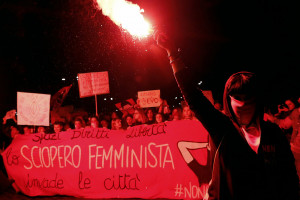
{"points": [[238, 172]]}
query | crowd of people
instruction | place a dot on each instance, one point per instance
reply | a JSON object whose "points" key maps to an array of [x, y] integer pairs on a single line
{"points": [[286, 117], [266, 170], [114, 121]]}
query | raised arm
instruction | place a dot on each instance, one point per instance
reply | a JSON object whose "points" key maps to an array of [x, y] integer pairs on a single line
{"points": [[214, 121]]}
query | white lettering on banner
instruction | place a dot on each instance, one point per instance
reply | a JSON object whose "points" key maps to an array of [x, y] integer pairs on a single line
{"points": [[191, 192], [98, 156], [152, 155], [65, 155]]}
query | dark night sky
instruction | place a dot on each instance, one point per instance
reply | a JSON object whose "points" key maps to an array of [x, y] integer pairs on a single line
{"points": [[43, 41]]}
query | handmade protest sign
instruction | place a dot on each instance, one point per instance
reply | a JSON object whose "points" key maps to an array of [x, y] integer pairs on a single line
{"points": [[167, 160], [150, 98], [94, 83], [33, 109]]}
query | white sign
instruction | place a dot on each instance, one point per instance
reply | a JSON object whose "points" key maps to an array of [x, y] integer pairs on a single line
{"points": [[94, 83], [33, 109], [149, 98]]}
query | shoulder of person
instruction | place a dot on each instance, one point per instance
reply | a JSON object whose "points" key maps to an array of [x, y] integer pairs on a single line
{"points": [[294, 113], [274, 134], [271, 129]]}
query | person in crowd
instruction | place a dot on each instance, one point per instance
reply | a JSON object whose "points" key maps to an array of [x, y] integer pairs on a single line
{"points": [[41, 129], [27, 130], [159, 118], [128, 122], [187, 113], [176, 114], [283, 111], [116, 124], [286, 122], [254, 159], [294, 118], [94, 122], [291, 104], [58, 127], [104, 124], [150, 116], [78, 124], [14, 131], [164, 109], [139, 116], [292, 121]]}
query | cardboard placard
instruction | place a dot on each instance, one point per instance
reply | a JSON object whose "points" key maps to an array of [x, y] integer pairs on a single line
{"points": [[33, 109], [94, 83], [150, 98]]}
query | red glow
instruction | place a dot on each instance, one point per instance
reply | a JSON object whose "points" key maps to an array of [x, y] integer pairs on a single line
{"points": [[127, 15]]}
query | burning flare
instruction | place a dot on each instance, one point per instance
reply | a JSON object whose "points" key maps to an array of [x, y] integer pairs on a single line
{"points": [[127, 15]]}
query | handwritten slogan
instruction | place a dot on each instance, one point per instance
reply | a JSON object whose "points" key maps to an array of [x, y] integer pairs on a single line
{"points": [[141, 162], [94, 83], [33, 109], [149, 98]]}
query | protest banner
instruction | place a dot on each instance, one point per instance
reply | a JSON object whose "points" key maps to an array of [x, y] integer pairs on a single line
{"points": [[150, 98], [33, 109], [145, 161], [94, 83]]}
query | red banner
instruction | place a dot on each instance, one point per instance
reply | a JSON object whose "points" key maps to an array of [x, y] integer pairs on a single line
{"points": [[146, 161]]}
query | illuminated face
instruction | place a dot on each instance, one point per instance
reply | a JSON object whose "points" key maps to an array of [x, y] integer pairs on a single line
{"points": [[290, 104], [150, 114], [41, 129], [57, 128], [176, 117], [26, 130], [77, 125], [243, 109], [118, 124], [129, 121], [158, 118], [13, 131], [94, 122], [136, 115], [186, 112], [174, 111]]}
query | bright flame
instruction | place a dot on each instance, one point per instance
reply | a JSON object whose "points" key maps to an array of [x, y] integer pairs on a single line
{"points": [[127, 15]]}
